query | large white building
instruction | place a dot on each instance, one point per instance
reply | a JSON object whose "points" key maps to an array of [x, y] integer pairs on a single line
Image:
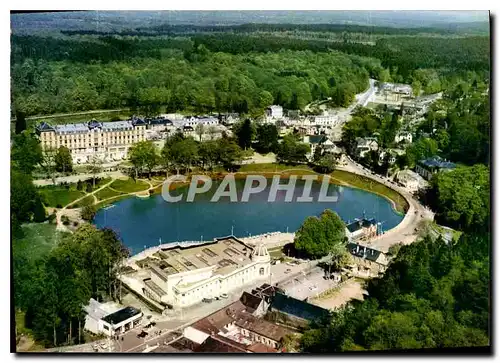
{"points": [[108, 141], [184, 276]]}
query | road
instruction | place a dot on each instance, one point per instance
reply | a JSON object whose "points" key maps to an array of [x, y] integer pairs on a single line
{"points": [[404, 232]]}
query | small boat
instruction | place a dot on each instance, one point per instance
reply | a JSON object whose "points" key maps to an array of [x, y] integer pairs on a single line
{"points": [[109, 207]]}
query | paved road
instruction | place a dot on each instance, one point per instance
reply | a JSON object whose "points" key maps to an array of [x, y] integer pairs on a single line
{"points": [[76, 178], [404, 232]]}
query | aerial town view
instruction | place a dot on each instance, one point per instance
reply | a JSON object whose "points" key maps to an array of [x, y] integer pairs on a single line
{"points": [[250, 182]]}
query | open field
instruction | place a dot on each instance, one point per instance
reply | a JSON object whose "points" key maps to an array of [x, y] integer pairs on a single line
{"points": [[107, 193], [58, 196], [128, 185]]}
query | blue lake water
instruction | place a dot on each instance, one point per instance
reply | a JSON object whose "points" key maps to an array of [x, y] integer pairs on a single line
{"points": [[143, 222]]}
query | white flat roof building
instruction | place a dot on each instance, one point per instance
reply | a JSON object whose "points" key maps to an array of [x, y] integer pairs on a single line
{"points": [[184, 276], [99, 320]]}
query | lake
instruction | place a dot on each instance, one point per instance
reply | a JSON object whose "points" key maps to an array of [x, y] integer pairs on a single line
{"points": [[143, 222]]}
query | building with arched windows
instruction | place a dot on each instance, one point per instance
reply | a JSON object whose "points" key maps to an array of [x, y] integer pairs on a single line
{"points": [[181, 276]]}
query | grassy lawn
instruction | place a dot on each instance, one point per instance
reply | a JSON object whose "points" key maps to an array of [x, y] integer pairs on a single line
{"points": [[106, 193], [129, 185], [84, 201], [276, 253], [56, 195], [344, 177]]}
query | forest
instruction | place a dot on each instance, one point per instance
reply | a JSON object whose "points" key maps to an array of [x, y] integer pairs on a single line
{"points": [[229, 71]]}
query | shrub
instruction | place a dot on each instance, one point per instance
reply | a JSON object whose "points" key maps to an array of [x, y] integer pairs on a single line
{"points": [[52, 218], [75, 223], [79, 185], [88, 188], [59, 205]]}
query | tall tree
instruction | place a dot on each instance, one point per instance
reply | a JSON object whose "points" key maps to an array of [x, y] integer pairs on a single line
{"points": [[63, 160]]}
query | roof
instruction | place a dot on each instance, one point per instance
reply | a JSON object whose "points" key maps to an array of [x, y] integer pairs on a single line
{"points": [[360, 223], [297, 308], [218, 344], [225, 255], [252, 302], [94, 310], [437, 163], [317, 139], [364, 252], [121, 315], [261, 348], [260, 326], [43, 126]]}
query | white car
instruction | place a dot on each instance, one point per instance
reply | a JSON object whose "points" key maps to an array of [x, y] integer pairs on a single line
{"points": [[224, 296]]}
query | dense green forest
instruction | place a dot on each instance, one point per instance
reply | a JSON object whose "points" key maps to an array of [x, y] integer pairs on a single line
{"points": [[200, 71], [199, 81], [434, 295]]}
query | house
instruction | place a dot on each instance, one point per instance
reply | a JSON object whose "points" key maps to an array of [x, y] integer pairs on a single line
{"points": [[403, 137], [364, 145], [274, 112], [100, 321], [368, 261], [428, 167], [322, 141], [267, 292], [410, 180], [362, 229], [392, 153], [256, 306], [237, 327]]}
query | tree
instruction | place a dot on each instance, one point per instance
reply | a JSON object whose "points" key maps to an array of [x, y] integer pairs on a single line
{"points": [[25, 202], [267, 138], [88, 212], [461, 197], [326, 164], [245, 133], [292, 151], [26, 152], [143, 155], [94, 167], [228, 153], [200, 130], [63, 160], [318, 237], [20, 122], [49, 163]]}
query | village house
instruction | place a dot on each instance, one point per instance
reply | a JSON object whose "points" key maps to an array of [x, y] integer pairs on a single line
{"points": [[274, 112], [364, 145], [403, 137], [428, 167], [362, 229], [367, 262], [236, 324], [410, 180]]}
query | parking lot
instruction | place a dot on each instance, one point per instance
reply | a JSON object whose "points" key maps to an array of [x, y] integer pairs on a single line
{"points": [[310, 285]]}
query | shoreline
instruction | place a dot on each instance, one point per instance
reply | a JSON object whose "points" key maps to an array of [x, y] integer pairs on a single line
{"points": [[268, 174]]}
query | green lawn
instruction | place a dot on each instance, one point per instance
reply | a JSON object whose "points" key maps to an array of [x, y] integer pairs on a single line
{"points": [[106, 193], [371, 186], [129, 185], [55, 195], [83, 202]]}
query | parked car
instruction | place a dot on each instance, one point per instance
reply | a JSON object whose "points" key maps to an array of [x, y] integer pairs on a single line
{"points": [[224, 296], [288, 271], [207, 300], [142, 334]]}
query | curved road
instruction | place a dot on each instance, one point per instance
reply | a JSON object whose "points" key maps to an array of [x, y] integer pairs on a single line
{"points": [[405, 232]]}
